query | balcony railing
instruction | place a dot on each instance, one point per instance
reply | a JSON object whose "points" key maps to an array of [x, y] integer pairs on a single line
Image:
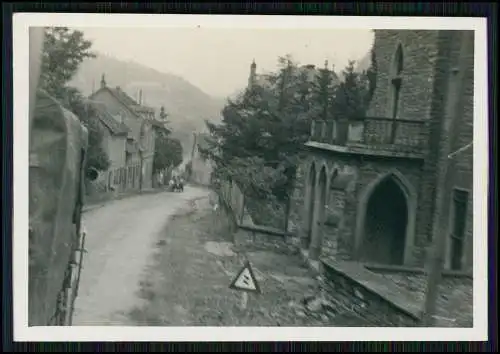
{"points": [[376, 133]]}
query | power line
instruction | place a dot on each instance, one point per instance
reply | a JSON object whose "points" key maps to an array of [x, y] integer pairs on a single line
{"points": [[451, 155]]}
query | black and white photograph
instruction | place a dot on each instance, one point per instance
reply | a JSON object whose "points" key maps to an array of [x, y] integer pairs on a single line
{"points": [[184, 177]]}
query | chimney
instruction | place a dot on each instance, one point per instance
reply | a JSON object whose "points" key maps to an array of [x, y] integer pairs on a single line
{"points": [[140, 96]]}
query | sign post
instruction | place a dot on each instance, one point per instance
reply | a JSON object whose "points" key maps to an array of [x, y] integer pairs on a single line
{"points": [[246, 282], [244, 300]]}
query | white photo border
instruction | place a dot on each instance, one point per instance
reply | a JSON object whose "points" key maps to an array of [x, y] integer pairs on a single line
{"points": [[21, 24]]}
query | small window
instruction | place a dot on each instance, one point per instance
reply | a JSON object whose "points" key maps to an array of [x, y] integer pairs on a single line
{"points": [[458, 223], [396, 81]]}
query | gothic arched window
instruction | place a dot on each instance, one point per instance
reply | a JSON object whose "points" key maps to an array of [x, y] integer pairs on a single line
{"points": [[396, 80], [395, 86]]}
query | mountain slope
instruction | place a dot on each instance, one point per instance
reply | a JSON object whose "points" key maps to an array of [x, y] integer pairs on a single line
{"points": [[186, 105]]}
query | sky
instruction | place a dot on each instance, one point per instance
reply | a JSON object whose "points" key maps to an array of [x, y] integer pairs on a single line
{"points": [[217, 60]]}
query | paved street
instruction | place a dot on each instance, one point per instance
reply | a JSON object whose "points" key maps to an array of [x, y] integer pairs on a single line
{"points": [[166, 260]]}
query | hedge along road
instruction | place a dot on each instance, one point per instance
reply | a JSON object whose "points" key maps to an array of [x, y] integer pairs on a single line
{"points": [[120, 240]]}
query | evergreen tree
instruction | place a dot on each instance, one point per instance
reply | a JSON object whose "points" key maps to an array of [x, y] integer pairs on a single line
{"points": [[168, 150], [262, 132], [350, 100], [259, 142], [323, 93]]}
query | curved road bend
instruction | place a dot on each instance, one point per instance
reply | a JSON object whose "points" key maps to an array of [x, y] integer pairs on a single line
{"points": [[120, 240]]}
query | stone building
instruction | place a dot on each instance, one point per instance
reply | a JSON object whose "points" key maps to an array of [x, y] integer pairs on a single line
{"points": [[201, 168], [372, 184], [114, 137], [141, 123]]}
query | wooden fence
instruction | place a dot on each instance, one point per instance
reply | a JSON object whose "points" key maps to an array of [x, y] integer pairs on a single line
{"points": [[233, 197], [253, 211]]}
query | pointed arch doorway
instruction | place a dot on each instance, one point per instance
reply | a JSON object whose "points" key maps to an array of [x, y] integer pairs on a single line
{"points": [[386, 221]]}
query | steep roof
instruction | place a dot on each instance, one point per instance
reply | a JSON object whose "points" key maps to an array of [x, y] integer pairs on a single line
{"points": [[128, 101], [122, 96], [107, 119]]}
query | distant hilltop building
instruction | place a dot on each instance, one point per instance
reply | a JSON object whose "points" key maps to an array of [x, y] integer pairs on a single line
{"points": [[309, 70]]}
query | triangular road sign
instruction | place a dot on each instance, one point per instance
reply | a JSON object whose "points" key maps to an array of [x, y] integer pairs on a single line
{"points": [[245, 280]]}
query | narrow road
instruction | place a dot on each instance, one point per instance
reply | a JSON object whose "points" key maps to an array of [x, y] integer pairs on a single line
{"points": [[120, 242]]}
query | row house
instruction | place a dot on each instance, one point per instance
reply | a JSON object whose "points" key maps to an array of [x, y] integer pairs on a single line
{"points": [[131, 153], [373, 183]]}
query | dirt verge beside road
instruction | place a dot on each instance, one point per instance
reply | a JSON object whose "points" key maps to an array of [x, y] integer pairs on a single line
{"points": [[187, 282]]}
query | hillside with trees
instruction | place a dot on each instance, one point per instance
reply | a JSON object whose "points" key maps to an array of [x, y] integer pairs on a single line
{"points": [[188, 107]]}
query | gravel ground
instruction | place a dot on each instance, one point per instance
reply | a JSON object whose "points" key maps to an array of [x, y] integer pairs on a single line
{"points": [[187, 284]]}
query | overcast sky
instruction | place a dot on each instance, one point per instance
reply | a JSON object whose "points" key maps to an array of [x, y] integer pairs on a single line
{"points": [[217, 60]]}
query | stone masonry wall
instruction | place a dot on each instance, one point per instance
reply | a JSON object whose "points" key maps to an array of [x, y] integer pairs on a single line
{"points": [[455, 297], [428, 58], [338, 241], [420, 79], [460, 67], [254, 237], [465, 136], [348, 293], [419, 55]]}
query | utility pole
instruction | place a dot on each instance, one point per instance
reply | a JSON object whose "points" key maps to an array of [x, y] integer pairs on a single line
{"points": [[445, 184]]}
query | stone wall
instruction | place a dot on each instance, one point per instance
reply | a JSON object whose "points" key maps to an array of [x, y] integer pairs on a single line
{"points": [[258, 237], [455, 297], [342, 207], [351, 288], [429, 60], [462, 97], [420, 51], [426, 63]]}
